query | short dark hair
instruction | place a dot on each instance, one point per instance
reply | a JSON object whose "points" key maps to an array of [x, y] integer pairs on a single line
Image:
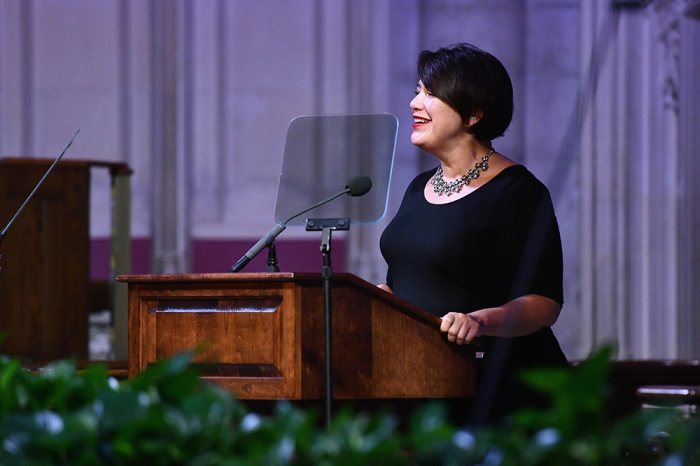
{"points": [[470, 80]]}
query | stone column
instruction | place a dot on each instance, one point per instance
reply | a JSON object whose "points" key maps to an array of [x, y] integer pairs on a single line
{"points": [[172, 134], [689, 170], [367, 65], [632, 182]]}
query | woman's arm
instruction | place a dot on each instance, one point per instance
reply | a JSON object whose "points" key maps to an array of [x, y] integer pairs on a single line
{"points": [[521, 316]]}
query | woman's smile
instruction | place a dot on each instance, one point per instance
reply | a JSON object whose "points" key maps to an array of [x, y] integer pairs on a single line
{"points": [[436, 125], [419, 121]]}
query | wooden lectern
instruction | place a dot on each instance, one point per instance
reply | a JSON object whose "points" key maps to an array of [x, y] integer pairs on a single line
{"points": [[45, 286], [263, 336]]}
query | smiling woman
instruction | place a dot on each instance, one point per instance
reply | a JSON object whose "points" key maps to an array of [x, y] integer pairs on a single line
{"points": [[436, 124], [475, 240], [473, 83]]}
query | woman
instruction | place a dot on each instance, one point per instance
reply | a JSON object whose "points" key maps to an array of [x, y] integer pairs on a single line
{"points": [[475, 240]]}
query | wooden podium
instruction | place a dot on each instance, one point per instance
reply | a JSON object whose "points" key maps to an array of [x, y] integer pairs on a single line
{"points": [[45, 287], [263, 336]]}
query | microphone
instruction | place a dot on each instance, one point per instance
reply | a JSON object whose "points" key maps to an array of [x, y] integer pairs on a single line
{"points": [[359, 185], [356, 186]]}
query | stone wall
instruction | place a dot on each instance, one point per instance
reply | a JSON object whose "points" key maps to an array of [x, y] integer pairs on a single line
{"points": [[196, 97]]}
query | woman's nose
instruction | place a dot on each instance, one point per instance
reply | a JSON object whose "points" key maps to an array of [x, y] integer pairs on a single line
{"points": [[416, 103]]}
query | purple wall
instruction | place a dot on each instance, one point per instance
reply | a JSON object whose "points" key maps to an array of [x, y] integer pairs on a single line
{"points": [[211, 256]]}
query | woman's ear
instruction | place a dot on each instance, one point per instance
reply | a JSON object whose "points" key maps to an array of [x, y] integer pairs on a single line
{"points": [[474, 119]]}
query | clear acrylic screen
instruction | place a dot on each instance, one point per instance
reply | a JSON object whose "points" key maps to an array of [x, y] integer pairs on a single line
{"points": [[322, 152]]}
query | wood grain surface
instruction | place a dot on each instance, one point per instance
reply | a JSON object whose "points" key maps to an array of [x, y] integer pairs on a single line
{"points": [[44, 281], [262, 336]]}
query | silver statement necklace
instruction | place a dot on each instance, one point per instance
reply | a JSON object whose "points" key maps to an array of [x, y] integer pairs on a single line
{"points": [[440, 186]]}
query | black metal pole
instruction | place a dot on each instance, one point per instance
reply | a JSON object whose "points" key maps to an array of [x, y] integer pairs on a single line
{"points": [[326, 225], [327, 273]]}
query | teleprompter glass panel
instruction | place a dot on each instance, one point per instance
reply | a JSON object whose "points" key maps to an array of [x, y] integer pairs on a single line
{"points": [[323, 152]]}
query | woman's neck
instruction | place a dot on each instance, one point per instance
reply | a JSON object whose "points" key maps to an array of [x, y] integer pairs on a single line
{"points": [[457, 161]]}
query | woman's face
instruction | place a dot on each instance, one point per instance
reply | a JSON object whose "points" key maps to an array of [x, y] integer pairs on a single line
{"points": [[436, 125]]}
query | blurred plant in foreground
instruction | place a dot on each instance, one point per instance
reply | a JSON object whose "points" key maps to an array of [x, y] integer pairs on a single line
{"points": [[167, 415]]}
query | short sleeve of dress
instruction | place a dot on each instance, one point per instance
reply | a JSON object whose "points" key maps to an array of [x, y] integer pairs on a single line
{"points": [[529, 245]]}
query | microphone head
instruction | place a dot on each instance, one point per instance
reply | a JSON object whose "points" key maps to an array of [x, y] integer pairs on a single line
{"points": [[359, 185]]}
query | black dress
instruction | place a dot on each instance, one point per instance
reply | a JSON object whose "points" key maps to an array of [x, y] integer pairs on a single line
{"points": [[496, 244]]}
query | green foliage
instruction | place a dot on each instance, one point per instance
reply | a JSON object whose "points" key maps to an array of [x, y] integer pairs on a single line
{"points": [[574, 431], [167, 415]]}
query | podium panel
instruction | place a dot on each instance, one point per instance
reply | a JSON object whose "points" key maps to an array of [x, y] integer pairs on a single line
{"points": [[262, 337], [45, 262], [45, 287]]}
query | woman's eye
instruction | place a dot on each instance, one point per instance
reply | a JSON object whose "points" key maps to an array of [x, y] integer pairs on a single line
{"points": [[416, 92]]}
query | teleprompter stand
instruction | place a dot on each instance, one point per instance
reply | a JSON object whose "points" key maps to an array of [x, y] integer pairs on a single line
{"points": [[326, 226]]}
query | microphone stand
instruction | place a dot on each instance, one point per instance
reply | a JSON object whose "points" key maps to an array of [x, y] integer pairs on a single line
{"points": [[269, 238], [357, 186], [327, 225], [272, 265], [4, 231]]}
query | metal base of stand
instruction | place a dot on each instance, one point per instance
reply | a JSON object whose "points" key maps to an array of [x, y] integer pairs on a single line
{"points": [[272, 264]]}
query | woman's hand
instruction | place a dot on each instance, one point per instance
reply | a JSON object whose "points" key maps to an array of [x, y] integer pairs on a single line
{"points": [[521, 316], [462, 328], [385, 287]]}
